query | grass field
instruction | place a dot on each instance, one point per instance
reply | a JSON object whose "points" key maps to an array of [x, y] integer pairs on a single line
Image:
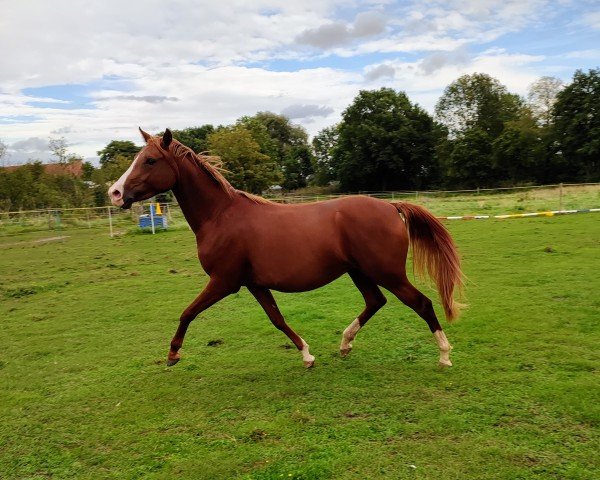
{"points": [[86, 322]]}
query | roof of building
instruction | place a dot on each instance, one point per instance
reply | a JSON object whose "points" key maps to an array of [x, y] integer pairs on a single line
{"points": [[73, 168]]}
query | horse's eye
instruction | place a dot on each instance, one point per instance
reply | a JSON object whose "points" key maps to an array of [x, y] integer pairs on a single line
{"points": [[150, 161]]}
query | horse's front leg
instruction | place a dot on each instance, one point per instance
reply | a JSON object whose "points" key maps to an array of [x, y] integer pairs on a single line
{"points": [[212, 293], [266, 300]]}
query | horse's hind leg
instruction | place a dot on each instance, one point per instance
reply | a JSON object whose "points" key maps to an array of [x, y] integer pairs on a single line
{"points": [[414, 299], [374, 300], [266, 300]]}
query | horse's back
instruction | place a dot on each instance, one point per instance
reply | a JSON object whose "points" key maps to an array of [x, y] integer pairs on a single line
{"points": [[300, 247], [294, 247]]}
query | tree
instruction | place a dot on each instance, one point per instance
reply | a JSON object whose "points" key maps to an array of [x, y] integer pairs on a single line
{"points": [[59, 148], [470, 164], [475, 109], [19, 188], [195, 137], [518, 152], [116, 148], [477, 101], [260, 133], [88, 170], [297, 167], [542, 96], [284, 142], [29, 187], [384, 143], [248, 169], [576, 116], [281, 129], [323, 145]]}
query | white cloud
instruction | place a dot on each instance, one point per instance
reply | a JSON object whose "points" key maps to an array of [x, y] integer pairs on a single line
{"points": [[62, 130], [379, 71], [326, 36], [33, 148], [141, 98], [297, 111], [206, 95], [438, 60], [592, 19], [475, 20], [30, 145], [592, 54], [180, 64], [366, 24], [424, 86], [63, 44]]}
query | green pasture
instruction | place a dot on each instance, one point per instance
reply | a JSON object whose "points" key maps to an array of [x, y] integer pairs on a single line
{"points": [[86, 322]]}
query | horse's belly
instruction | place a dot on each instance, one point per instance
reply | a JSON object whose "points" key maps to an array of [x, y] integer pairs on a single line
{"points": [[297, 271]]}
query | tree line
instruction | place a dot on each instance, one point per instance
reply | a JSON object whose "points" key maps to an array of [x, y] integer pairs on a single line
{"points": [[481, 135]]}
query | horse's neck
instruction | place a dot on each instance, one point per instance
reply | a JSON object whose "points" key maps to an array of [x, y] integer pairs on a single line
{"points": [[199, 196]]}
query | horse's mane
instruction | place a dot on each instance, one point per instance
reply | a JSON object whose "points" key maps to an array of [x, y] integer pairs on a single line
{"points": [[213, 166], [254, 198]]}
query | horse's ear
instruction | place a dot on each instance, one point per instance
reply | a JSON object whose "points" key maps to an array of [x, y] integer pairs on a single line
{"points": [[166, 139], [146, 136]]}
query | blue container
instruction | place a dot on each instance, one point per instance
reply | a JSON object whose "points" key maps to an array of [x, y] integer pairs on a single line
{"points": [[160, 221]]}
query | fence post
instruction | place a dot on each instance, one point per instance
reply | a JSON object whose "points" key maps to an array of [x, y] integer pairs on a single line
{"points": [[110, 221], [152, 217], [560, 196]]}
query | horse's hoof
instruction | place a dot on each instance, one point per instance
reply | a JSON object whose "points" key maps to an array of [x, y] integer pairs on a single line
{"points": [[445, 363], [345, 351], [309, 363], [172, 361]]}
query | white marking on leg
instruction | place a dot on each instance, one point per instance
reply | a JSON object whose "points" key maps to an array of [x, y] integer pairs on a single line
{"points": [[444, 347], [309, 360], [348, 336]]}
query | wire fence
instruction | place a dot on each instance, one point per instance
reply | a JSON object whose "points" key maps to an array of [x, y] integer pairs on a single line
{"points": [[559, 189], [444, 203], [108, 219]]}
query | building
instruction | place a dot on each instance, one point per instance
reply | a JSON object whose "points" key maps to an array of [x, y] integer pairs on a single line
{"points": [[73, 168]]}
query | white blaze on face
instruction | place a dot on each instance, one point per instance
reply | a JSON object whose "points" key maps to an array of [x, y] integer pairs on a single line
{"points": [[116, 191]]}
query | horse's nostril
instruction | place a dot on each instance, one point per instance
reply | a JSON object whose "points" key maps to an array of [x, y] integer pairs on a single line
{"points": [[116, 194]]}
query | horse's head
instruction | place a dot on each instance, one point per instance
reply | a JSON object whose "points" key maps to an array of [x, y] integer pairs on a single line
{"points": [[152, 171]]}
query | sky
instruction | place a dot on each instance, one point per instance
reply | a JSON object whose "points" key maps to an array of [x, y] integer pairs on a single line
{"points": [[93, 71]]}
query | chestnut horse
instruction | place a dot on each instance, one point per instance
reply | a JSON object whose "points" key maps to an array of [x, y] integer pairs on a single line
{"points": [[245, 240]]}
